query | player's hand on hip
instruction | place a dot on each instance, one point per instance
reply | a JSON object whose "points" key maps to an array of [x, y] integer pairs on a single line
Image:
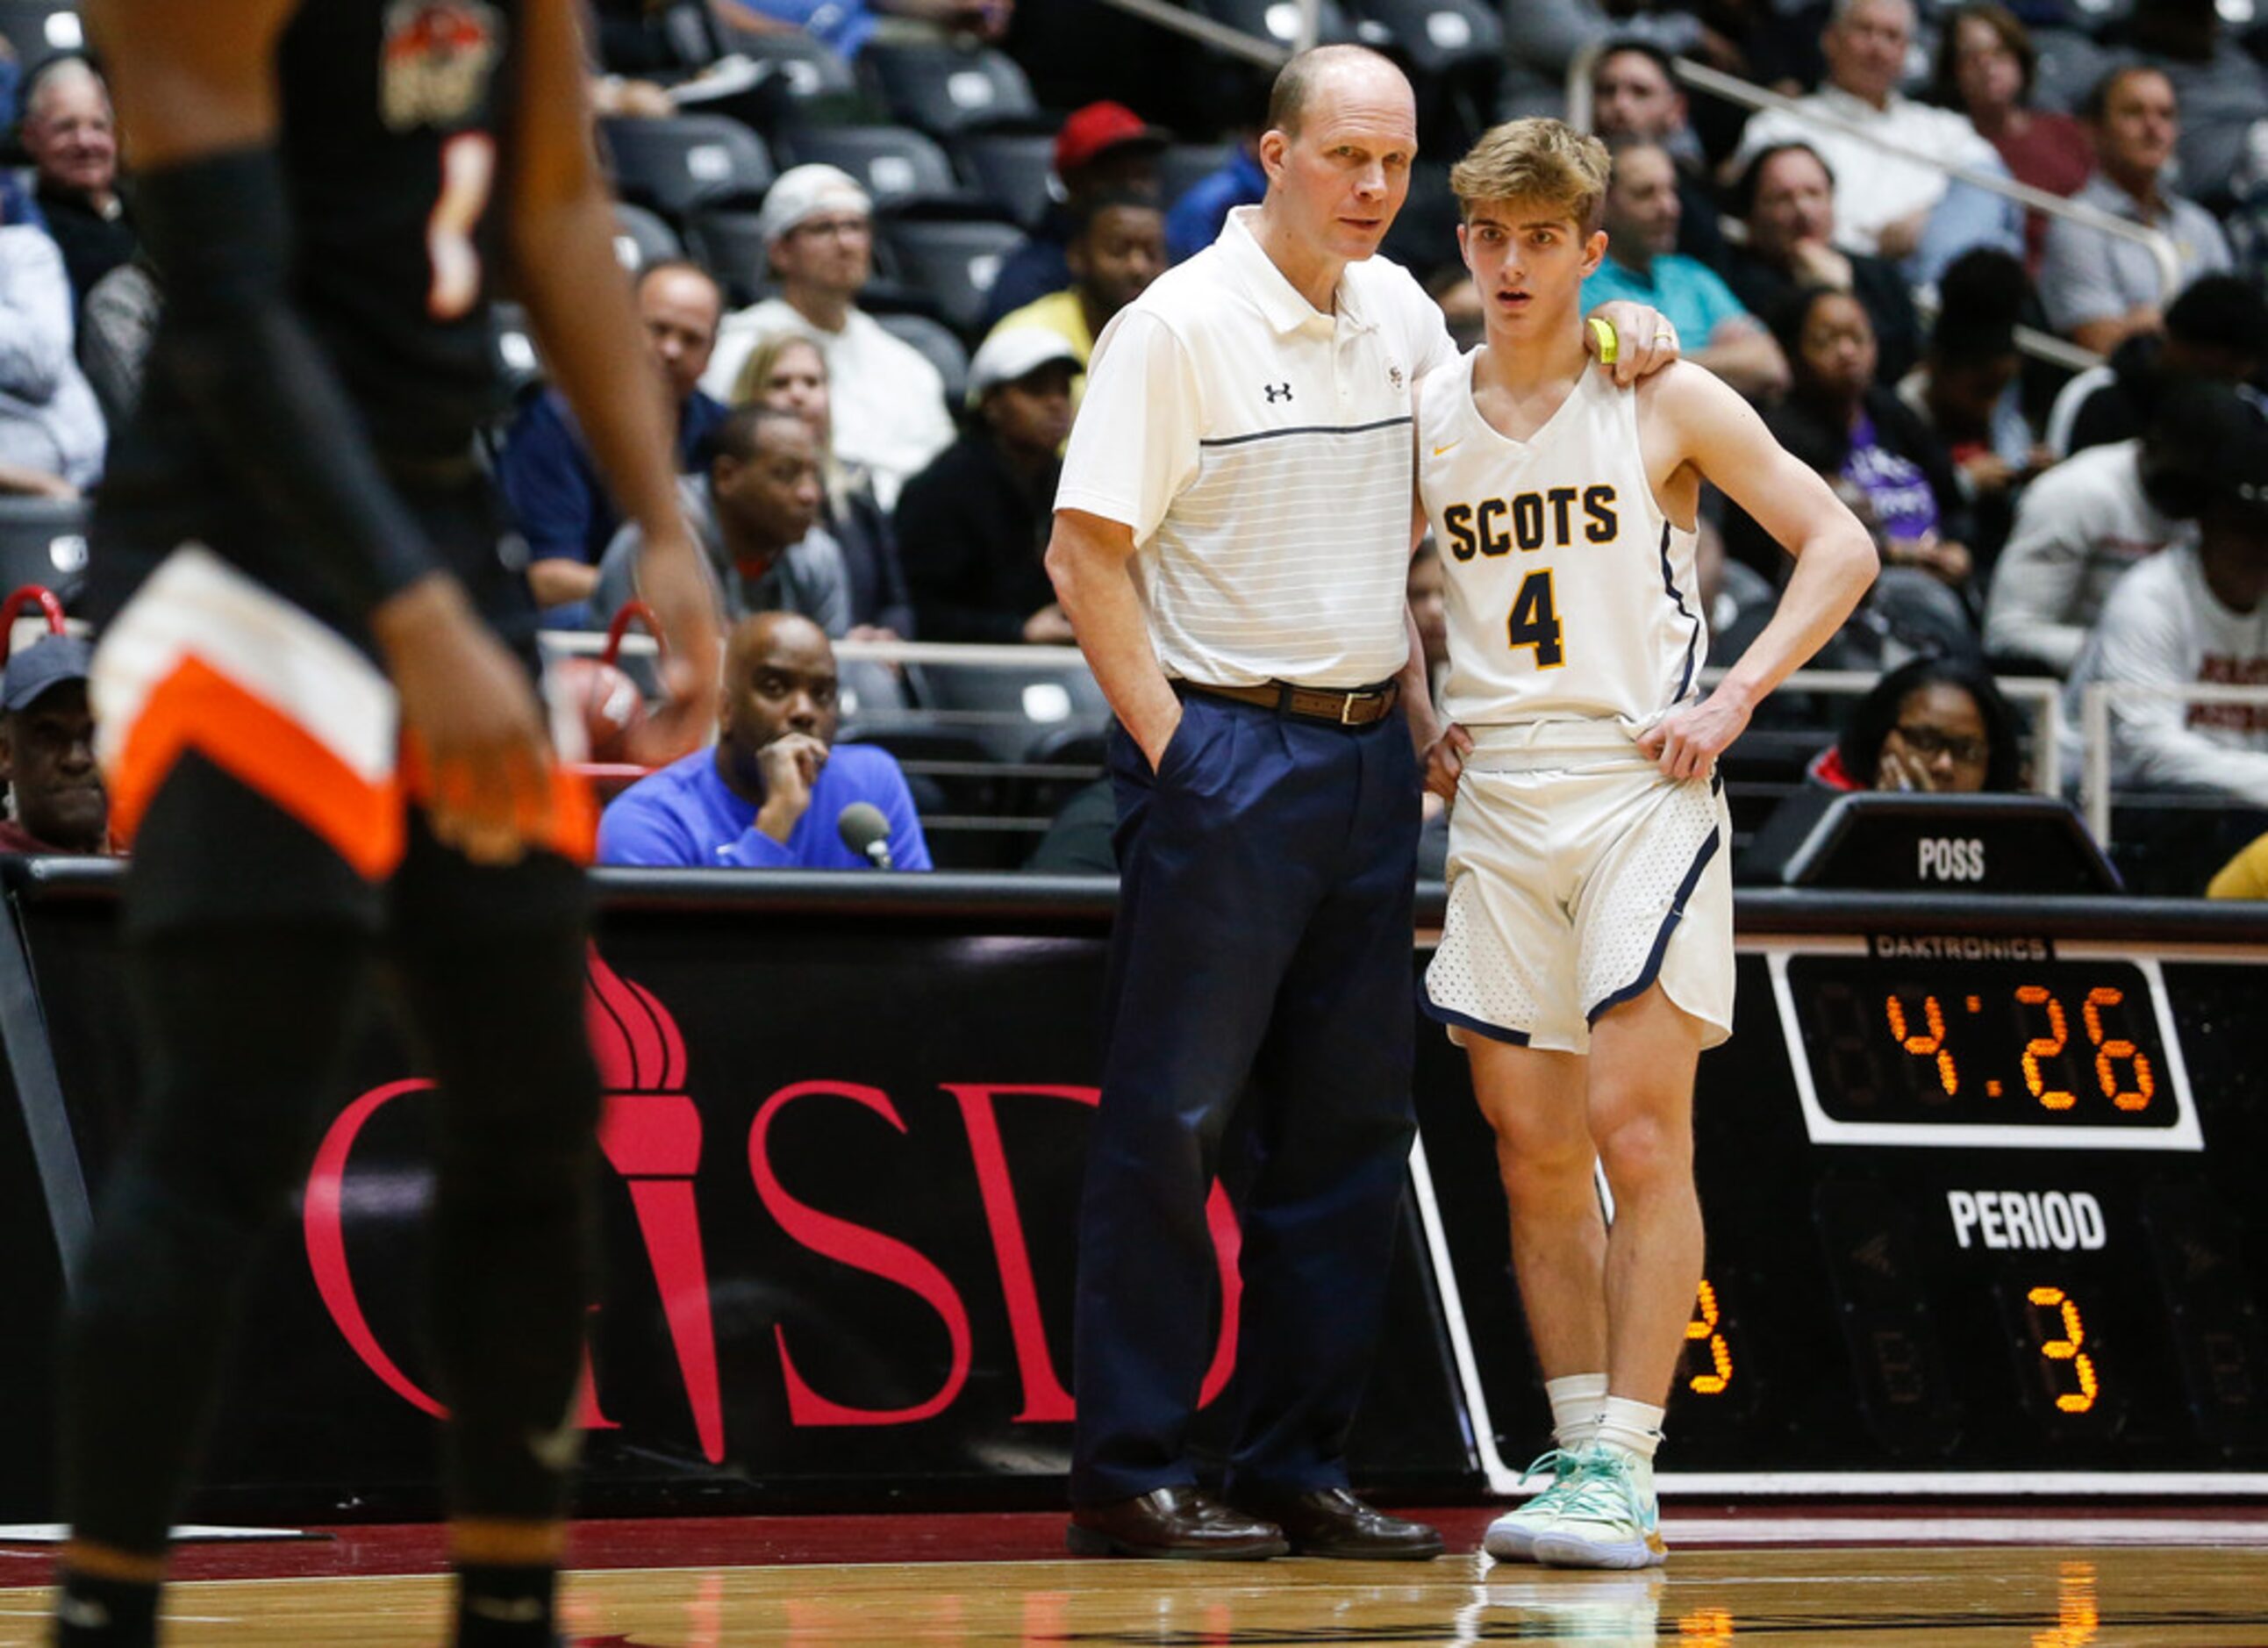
{"points": [[1643, 340], [1444, 761], [670, 581], [471, 721], [1685, 743]]}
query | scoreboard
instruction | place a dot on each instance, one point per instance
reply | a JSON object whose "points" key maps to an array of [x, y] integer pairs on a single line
{"points": [[1982, 1184]]}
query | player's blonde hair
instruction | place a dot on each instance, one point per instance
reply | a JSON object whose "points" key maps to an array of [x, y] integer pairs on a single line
{"points": [[1537, 159]]}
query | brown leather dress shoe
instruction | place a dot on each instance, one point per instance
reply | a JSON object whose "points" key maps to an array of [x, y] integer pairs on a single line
{"points": [[1332, 1522], [1180, 1522]]}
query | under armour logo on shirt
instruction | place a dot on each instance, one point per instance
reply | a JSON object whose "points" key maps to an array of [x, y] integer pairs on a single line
{"points": [[1278, 392]]}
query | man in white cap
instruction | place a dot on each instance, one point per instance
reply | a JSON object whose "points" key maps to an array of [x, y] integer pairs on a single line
{"points": [[973, 526], [888, 401]]}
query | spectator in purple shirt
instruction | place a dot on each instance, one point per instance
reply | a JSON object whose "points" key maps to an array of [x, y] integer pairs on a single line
{"points": [[772, 794]]}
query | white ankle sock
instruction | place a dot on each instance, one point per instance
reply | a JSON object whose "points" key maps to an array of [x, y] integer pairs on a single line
{"points": [[1575, 1403], [1633, 1427]]}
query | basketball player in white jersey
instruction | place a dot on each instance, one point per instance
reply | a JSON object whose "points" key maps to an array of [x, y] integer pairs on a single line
{"points": [[1587, 955]]}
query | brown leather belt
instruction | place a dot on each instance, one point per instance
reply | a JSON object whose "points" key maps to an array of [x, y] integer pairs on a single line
{"points": [[1356, 706]]}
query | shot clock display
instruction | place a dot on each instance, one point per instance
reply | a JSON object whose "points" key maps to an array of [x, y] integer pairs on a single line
{"points": [[1901, 1047], [1982, 1213]]}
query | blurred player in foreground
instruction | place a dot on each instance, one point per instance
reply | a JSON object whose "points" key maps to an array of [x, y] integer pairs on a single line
{"points": [[320, 726]]}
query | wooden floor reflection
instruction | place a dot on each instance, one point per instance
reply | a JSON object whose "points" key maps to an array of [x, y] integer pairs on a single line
{"points": [[2091, 1597]]}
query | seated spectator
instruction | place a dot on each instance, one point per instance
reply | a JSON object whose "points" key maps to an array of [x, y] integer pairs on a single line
{"points": [[2101, 289], [1194, 221], [1886, 204], [1986, 65], [788, 374], [51, 429], [1102, 148], [888, 401], [1786, 199], [2222, 88], [973, 526], [1965, 390], [2217, 329], [755, 511], [47, 753], [1938, 725], [1640, 266], [1635, 96], [69, 133], [1117, 250], [2192, 614], [1845, 424], [2243, 877], [564, 508], [2083, 525], [772, 793], [845, 25]]}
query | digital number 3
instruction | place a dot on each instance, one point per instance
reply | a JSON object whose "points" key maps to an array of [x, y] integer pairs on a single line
{"points": [[468, 164], [2066, 1348]]}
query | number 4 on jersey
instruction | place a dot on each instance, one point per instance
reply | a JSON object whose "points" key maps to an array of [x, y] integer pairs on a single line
{"points": [[1534, 620]]}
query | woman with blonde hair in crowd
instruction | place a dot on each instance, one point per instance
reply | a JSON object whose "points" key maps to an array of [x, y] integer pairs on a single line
{"points": [[785, 371]]}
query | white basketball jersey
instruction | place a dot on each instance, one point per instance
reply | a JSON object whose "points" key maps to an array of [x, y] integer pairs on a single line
{"points": [[1570, 595]]}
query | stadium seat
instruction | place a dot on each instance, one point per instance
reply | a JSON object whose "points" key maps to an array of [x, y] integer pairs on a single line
{"points": [[641, 238], [1437, 37], [730, 244], [40, 28], [2068, 66], [806, 68], [677, 166], [43, 541], [946, 90], [936, 341], [1184, 165], [1276, 20], [899, 166], [956, 262], [1014, 171], [523, 367], [1015, 710]]}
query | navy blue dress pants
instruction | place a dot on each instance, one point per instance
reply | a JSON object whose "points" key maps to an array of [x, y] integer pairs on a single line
{"points": [[1260, 979]]}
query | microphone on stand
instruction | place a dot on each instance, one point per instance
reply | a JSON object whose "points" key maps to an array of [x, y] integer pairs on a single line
{"points": [[866, 833]]}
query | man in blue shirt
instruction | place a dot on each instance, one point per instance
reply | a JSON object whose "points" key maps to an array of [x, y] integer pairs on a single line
{"points": [[562, 507], [1643, 265], [773, 791], [1194, 221]]}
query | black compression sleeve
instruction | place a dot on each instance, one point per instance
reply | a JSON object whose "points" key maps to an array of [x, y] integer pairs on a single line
{"points": [[248, 366]]}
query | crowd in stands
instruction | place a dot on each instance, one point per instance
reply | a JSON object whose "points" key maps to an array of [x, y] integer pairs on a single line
{"points": [[874, 379]]}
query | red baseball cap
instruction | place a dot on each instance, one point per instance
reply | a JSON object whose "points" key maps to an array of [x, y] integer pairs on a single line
{"points": [[1089, 132]]}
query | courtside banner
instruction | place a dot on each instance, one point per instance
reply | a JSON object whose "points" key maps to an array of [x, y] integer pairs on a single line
{"points": [[844, 1131]]}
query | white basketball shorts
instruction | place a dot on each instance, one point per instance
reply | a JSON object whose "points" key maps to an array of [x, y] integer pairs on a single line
{"points": [[1577, 878]]}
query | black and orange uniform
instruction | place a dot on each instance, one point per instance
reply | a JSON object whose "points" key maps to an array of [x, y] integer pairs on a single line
{"points": [[305, 450]]}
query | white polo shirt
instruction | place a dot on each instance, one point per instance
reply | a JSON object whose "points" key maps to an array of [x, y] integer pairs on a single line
{"points": [[1261, 453]]}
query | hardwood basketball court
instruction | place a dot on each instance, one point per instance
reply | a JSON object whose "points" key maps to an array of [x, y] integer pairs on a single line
{"points": [[2098, 1577]]}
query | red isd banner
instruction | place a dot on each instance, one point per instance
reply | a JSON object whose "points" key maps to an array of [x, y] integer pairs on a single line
{"points": [[841, 1155]]}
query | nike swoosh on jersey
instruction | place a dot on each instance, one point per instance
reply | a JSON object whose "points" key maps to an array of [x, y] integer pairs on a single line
{"points": [[1438, 451]]}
